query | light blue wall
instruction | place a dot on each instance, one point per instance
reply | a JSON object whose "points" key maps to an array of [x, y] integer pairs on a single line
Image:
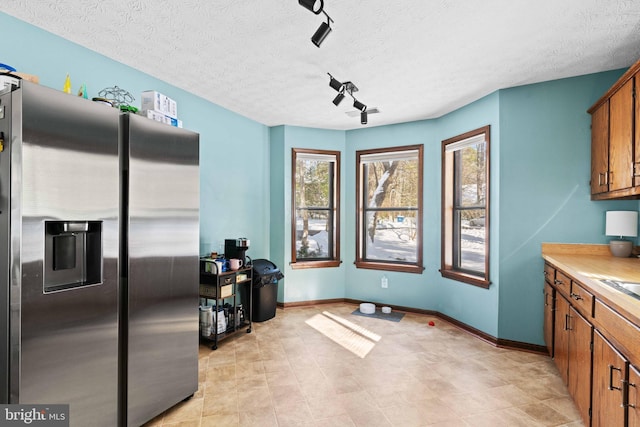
{"points": [[545, 163], [302, 284], [234, 156], [277, 187]]}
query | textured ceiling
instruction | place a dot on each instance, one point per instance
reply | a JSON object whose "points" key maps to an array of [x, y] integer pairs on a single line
{"points": [[412, 59]]}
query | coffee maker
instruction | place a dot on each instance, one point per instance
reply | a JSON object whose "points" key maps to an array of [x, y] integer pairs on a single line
{"points": [[237, 248]]}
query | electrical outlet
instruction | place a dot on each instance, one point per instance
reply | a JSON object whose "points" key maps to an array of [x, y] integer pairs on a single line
{"points": [[384, 282]]}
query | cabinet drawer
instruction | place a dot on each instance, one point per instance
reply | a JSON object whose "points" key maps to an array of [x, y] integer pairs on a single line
{"points": [[227, 280], [624, 334], [582, 299], [562, 283], [549, 273]]}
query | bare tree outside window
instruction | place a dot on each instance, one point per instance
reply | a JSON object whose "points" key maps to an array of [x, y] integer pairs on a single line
{"points": [[390, 209]]}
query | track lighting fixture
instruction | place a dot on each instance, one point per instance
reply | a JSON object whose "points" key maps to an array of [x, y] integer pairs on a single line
{"points": [[335, 84], [317, 7], [359, 105], [314, 6], [338, 99], [350, 88], [321, 33]]}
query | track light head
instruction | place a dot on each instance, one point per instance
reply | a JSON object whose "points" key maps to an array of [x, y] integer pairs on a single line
{"points": [[321, 33], [315, 6], [335, 84], [338, 99], [359, 105], [363, 117]]}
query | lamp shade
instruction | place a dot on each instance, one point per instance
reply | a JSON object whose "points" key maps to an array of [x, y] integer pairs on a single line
{"points": [[622, 223]]}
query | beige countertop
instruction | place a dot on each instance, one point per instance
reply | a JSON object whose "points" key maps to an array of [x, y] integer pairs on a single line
{"points": [[588, 264]]}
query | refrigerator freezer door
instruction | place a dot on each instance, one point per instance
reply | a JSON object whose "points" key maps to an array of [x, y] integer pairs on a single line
{"points": [[163, 249], [66, 169], [5, 239]]}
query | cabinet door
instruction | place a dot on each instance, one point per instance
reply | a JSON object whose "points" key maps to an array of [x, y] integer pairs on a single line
{"points": [[561, 336], [609, 373], [636, 165], [549, 307], [580, 336], [620, 138], [634, 397], [600, 149]]}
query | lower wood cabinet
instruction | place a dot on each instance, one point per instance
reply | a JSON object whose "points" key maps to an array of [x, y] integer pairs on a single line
{"points": [[561, 337], [634, 397], [594, 348], [572, 354], [580, 338], [549, 309], [609, 382]]}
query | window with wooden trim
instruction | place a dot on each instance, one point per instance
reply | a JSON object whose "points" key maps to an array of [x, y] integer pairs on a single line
{"points": [[465, 207], [315, 225], [389, 209]]}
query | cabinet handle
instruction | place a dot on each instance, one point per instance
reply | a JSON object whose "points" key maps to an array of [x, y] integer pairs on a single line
{"points": [[558, 282], [600, 179], [635, 169], [576, 297], [608, 180], [545, 299], [566, 322], [611, 369]]}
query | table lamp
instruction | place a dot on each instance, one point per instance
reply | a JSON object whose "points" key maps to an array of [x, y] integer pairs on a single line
{"points": [[621, 223]]}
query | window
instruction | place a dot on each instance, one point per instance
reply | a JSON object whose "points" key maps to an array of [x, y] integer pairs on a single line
{"points": [[389, 209], [315, 231], [465, 207]]}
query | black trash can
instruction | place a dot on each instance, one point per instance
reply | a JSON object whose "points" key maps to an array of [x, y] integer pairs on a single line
{"points": [[265, 290]]}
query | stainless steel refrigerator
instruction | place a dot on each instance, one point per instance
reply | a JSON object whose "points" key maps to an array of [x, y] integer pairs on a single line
{"points": [[98, 258]]}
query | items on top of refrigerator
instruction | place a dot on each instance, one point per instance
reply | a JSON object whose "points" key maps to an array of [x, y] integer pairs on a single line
{"points": [[159, 117], [159, 107], [117, 96], [5, 68], [66, 88], [8, 70], [155, 101]]}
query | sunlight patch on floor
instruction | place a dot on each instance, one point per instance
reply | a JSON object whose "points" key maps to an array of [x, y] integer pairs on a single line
{"points": [[358, 340]]}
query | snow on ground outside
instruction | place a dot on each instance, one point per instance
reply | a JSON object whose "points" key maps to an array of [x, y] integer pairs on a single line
{"points": [[392, 242]]}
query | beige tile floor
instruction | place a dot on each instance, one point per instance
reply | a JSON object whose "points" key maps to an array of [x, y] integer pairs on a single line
{"points": [[322, 366]]}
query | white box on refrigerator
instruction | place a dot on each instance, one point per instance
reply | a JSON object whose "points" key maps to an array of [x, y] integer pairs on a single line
{"points": [[154, 100]]}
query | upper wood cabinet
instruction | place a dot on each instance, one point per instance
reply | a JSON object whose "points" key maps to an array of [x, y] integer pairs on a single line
{"points": [[615, 140], [600, 149]]}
